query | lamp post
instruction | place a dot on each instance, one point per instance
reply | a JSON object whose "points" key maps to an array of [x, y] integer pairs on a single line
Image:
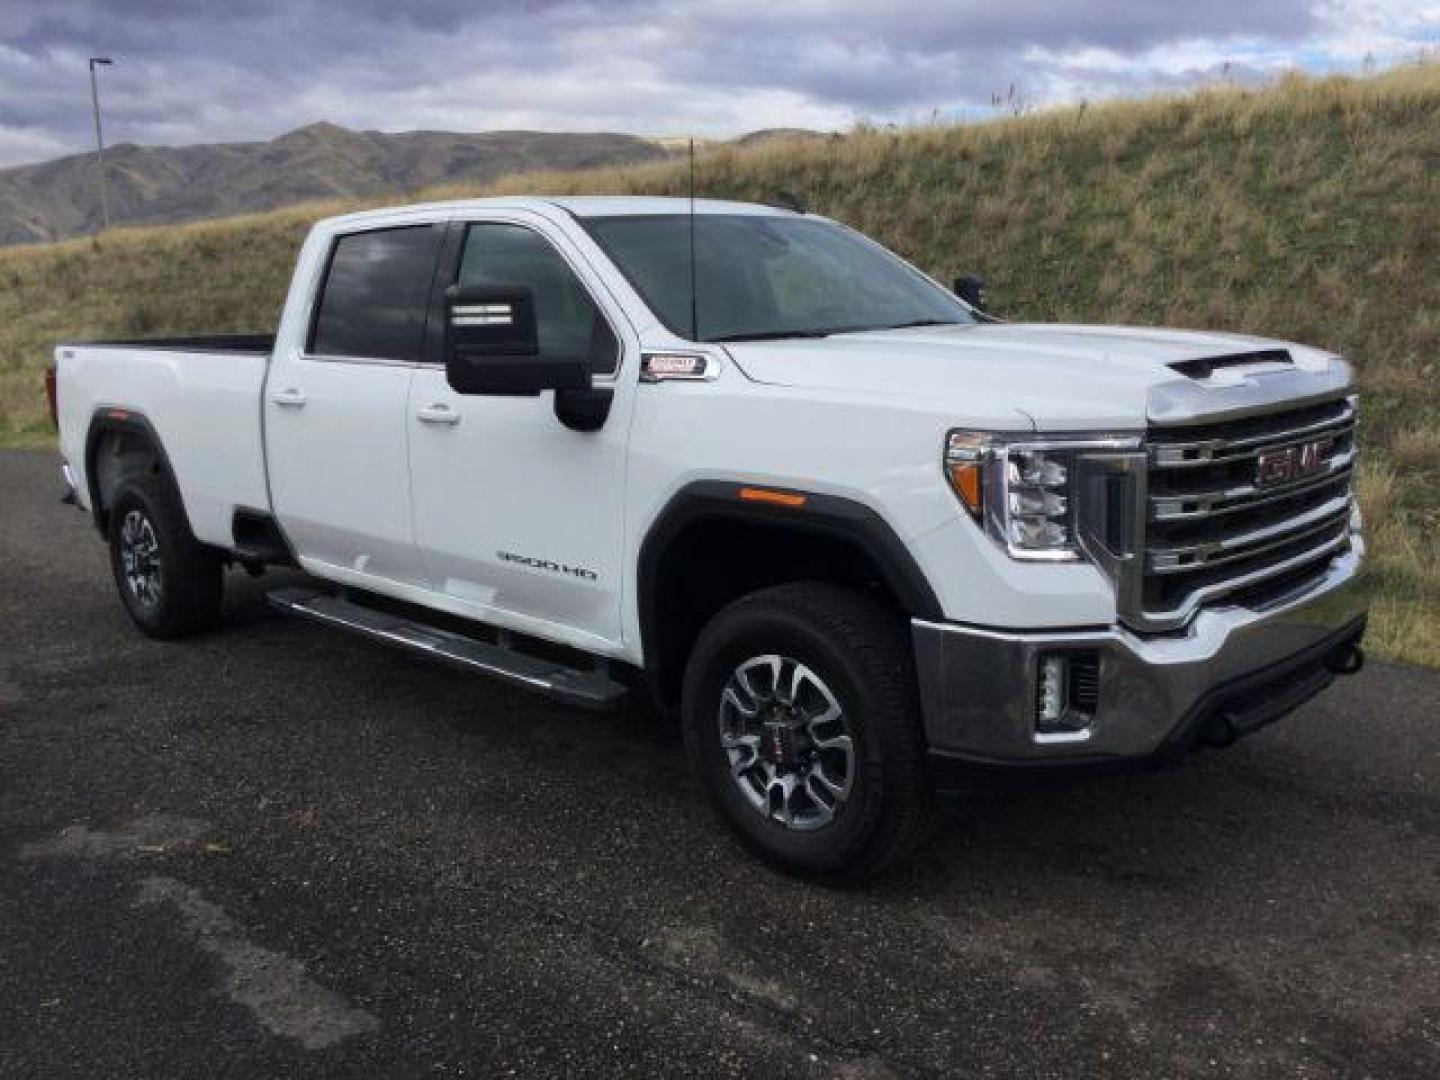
{"points": [[95, 61]]}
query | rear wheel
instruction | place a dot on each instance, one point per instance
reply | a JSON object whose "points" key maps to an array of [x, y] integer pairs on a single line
{"points": [[802, 721], [170, 584]]}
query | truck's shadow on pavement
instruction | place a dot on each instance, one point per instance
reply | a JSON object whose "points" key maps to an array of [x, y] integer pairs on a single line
{"points": [[1217, 825]]}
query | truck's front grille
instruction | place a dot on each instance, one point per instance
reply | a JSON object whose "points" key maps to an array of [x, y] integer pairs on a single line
{"points": [[1233, 504]]}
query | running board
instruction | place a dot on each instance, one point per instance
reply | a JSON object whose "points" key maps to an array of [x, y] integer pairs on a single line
{"points": [[587, 689]]}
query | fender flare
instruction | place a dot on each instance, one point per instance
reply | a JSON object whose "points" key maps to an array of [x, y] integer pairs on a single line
{"points": [[831, 516], [106, 420]]}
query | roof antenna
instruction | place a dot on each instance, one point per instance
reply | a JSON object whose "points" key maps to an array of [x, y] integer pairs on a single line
{"points": [[694, 303]]}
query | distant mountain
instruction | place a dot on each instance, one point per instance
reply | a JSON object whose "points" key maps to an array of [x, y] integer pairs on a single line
{"points": [[153, 185]]}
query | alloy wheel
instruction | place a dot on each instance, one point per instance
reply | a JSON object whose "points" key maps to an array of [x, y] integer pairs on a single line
{"points": [[788, 742], [140, 559]]}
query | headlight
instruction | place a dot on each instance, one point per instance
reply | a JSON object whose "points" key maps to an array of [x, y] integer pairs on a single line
{"points": [[1022, 490]]}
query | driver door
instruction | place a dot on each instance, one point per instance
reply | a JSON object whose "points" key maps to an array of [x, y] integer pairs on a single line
{"points": [[517, 518]]}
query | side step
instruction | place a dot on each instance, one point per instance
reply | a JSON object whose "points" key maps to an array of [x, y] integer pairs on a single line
{"points": [[587, 689]]}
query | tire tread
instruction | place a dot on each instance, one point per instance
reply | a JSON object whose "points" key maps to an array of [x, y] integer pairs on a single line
{"points": [[875, 642], [194, 585]]}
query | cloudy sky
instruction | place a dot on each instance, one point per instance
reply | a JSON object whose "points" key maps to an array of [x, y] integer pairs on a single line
{"points": [[214, 70]]}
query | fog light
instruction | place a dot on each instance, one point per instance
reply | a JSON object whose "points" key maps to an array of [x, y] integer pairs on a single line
{"points": [[1067, 693], [1052, 692]]}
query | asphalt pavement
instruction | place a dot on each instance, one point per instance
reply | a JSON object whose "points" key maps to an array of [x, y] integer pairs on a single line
{"points": [[278, 851]]}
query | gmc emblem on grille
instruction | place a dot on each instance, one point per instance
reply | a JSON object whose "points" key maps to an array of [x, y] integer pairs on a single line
{"points": [[1289, 463]]}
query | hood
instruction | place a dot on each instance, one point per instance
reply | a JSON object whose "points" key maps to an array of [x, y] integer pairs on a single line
{"points": [[1058, 376]]}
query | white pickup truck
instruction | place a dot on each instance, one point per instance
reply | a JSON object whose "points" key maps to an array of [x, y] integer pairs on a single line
{"points": [[848, 525]]}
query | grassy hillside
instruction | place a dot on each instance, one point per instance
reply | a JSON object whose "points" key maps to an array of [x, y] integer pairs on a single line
{"points": [[1308, 210]]}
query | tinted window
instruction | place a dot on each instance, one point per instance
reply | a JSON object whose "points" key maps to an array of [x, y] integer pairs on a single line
{"points": [[768, 276], [567, 321], [375, 294]]}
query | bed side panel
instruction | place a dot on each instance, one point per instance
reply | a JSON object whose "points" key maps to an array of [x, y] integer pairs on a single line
{"points": [[205, 407]]}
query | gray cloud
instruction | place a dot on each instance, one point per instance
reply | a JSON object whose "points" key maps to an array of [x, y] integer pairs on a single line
{"points": [[202, 70]]}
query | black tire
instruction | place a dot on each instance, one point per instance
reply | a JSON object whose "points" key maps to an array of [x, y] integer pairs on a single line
{"points": [[188, 576], [861, 651]]}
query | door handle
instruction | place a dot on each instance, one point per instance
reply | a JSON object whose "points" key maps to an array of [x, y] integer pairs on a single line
{"points": [[289, 398], [438, 414]]}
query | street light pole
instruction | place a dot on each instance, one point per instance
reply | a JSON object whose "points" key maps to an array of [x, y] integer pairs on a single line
{"points": [[99, 139]]}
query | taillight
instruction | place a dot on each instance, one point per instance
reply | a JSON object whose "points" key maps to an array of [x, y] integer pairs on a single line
{"points": [[50, 396]]}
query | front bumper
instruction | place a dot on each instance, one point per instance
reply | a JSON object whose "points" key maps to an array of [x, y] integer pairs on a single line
{"points": [[1233, 668]]}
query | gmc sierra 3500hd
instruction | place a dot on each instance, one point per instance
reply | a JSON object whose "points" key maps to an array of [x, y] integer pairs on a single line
{"points": [[745, 458]]}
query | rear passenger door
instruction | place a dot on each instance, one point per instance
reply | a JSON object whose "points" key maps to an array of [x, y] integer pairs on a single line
{"points": [[335, 411]]}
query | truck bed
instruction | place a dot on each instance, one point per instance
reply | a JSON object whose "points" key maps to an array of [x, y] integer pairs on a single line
{"points": [[200, 396], [209, 343]]}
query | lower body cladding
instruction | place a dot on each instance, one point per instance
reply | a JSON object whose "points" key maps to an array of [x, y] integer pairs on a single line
{"points": [[1072, 697]]}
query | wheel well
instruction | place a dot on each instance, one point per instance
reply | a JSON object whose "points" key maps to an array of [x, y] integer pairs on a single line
{"points": [[117, 451], [707, 564]]}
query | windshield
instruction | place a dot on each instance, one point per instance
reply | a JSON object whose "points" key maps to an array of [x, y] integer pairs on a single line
{"points": [[758, 276]]}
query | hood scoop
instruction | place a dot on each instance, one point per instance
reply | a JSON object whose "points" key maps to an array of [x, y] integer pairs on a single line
{"points": [[1204, 367]]}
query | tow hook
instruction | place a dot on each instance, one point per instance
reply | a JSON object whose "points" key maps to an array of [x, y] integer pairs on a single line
{"points": [[1346, 660]]}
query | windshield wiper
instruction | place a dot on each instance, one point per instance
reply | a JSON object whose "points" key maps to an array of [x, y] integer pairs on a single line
{"points": [[773, 335], [919, 322]]}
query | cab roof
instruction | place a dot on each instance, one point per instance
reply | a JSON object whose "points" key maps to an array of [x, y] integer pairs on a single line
{"points": [[619, 205], [582, 206]]}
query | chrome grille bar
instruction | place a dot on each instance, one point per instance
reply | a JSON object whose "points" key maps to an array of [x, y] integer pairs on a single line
{"points": [[1179, 613], [1211, 524], [1219, 451], [1191, 507], [1198, 556]]}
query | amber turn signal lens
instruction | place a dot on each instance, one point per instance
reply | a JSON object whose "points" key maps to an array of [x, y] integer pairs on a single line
{"points": [[965, 479], [775, 498]]}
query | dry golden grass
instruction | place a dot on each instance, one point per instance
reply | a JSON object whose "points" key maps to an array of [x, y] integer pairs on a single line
{"points": [[1308, 210]]}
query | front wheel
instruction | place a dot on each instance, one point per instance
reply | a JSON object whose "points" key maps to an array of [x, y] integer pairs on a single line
{"points": [[802, 721]]}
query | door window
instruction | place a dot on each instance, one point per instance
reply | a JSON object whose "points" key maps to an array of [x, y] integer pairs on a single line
{"points": [[567, 321], [376, 292]]}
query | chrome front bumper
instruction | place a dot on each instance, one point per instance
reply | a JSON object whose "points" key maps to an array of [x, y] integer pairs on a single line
{"points": [[978, 686]]}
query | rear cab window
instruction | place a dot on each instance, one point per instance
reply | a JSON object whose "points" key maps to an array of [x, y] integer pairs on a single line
{"points": [[375, 294]]}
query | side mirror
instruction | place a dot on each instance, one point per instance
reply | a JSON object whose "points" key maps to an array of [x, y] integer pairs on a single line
{"points": [[491, 345], [971, 289]]}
